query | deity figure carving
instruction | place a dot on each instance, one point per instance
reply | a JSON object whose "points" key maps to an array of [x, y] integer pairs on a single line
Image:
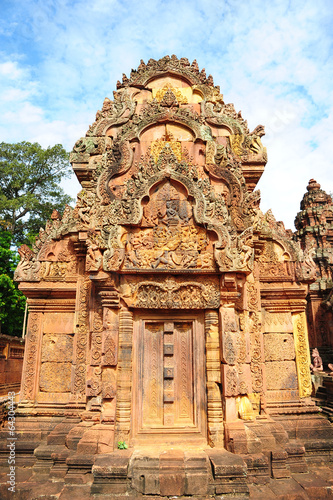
{"points": [[317, 362]]}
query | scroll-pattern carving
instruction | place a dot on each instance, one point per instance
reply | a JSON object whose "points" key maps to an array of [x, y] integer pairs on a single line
{"points": [[302, 350], [256, 348], [82, 338], [252, 295], [96, 335], [94, 382], [29, 374], [231, 381]]}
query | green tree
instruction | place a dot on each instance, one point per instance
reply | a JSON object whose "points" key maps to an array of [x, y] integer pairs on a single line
{"points": [[30, 189], [12, 301]]}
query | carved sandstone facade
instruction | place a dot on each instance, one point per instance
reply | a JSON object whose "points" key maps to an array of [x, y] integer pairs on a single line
{"points": [[166, 308]]}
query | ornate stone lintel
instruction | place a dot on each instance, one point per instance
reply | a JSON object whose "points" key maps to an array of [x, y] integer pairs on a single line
{"points": [[172, 293]]}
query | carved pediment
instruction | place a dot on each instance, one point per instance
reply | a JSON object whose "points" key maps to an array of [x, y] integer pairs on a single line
{"points": [[167, 171], [166, 238]]}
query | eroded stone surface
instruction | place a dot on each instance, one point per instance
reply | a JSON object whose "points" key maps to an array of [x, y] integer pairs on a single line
{"points": [[279, 347], [281, 375], [57, 347], [55, 377]]}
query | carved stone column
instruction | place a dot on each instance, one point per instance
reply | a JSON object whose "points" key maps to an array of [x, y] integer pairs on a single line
{"points": [[213, 370], [109, 352], [253, 305], [124, 372], [81, 340], [29, 384]]}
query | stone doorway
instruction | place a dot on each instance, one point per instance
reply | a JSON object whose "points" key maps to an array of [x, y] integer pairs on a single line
{"points": [[169, 383]]}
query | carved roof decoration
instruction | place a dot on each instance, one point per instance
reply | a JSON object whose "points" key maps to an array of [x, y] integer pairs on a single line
{"points": [[145, 72], [315, 197], [168, 173]]}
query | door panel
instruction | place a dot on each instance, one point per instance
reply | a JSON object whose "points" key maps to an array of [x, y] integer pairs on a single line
{"points": [[169, 375], [152, 370], [183, 360]]}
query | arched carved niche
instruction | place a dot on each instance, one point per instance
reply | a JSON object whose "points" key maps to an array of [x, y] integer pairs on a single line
{"points": [[166, 234]]}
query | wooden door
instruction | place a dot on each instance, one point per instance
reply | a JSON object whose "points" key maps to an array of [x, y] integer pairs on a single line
{"points": [[169, 366]]}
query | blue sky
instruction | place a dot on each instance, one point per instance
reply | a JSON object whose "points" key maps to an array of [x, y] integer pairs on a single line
{"points": [[273, 60]]}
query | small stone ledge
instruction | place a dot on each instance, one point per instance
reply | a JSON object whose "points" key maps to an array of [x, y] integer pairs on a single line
{"points": [[229, 472]]}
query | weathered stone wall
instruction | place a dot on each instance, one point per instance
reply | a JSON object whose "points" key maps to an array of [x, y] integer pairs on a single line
{"points": [[11, 362]]}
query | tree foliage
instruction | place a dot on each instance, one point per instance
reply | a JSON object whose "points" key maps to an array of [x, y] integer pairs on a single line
{"points": [[12, 301], [30, 189]]}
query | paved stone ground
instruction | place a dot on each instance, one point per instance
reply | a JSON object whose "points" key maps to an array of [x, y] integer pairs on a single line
{"points": [[317, 484]]}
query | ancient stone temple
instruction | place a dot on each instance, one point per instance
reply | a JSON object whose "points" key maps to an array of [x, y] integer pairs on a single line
{"points": [[167, 313]]}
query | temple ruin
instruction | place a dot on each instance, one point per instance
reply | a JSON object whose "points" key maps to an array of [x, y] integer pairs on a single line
{"points": [[167, 348]]}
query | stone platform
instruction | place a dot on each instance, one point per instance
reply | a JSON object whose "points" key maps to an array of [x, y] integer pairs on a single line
{"points": [[196, 475]]}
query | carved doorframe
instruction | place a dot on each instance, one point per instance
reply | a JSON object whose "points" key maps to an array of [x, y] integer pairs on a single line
{"points": [[214, 410]]}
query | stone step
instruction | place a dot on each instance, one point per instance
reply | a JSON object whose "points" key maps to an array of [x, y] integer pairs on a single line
{"points": [[172, 472]]}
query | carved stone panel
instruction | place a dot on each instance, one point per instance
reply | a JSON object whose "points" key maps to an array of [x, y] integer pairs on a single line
{"points": [[57, 348], [302, 354], [281, 375], [55, 377], [279, 347], [172, 293], [32, 346], [279, 322], [168, 237]]}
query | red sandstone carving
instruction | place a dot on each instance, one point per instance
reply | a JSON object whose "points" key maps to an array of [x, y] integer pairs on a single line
{"points": [[184, 303]]}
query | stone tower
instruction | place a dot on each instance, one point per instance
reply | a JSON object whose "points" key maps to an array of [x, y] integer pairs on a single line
{"points": [[314, 224]]}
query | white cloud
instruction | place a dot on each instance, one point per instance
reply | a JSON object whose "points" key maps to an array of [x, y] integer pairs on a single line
{"points": [[271, 59], [11, 70]]}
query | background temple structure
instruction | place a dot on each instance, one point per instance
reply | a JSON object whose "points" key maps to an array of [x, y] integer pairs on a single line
{"points": [[314, 224], [167, 313]]}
